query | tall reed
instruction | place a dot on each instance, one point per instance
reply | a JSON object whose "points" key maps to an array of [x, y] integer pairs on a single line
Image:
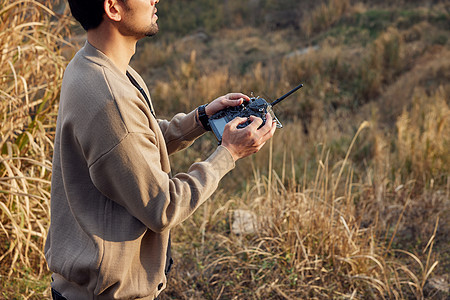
{"points": [[423, 137], [32, 36]]}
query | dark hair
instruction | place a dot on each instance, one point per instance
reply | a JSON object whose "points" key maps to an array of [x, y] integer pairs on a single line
{"points": [[88, 12]]}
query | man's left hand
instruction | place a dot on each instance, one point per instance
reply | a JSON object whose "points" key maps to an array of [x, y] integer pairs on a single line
{"points": [[231, 99]]}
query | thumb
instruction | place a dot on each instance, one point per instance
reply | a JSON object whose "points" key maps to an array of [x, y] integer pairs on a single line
{"points": [[237, 121], [234, 102]]}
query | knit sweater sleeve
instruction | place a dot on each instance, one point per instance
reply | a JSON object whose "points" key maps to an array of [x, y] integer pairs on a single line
{"points": [[130, 174], [180, 132]]}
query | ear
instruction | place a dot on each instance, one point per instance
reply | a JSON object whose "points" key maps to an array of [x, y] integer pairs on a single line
{"points": [[113, 10]]}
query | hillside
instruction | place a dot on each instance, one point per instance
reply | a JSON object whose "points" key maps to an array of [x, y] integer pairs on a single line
{"points": [[358, 61], [382, 62]]}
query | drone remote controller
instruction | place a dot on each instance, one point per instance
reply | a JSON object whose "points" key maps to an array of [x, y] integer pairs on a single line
{"points": [[258, 107]]}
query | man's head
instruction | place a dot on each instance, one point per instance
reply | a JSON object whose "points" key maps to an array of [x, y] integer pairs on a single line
{"points": [[88, 12], [132, 17]]}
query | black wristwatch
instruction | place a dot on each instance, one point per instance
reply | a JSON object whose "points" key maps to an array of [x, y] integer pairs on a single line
{"points": [[203, 117]]}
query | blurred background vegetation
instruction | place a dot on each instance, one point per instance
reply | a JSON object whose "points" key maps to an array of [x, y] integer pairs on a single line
{"points": [[349, 200]]}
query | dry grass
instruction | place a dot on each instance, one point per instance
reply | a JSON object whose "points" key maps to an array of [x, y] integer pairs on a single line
{"points": [[321, 237], [423, 138], [324, 16], [31, 37], [382, 64], [309, 243]]}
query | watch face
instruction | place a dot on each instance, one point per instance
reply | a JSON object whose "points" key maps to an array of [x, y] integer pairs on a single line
{"points": [[202, 112]]}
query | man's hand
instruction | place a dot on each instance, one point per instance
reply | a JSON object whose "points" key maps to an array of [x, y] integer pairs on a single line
{"points": [[231, 99], [242, 142]]}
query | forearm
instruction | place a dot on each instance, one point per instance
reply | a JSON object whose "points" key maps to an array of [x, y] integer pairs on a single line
{"points": [[181, 131]]}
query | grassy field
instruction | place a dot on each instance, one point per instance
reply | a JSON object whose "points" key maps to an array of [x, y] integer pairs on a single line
{"points": [[350, 200]]}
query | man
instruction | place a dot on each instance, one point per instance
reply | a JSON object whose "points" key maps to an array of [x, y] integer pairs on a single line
{"points": [[113, 202]]}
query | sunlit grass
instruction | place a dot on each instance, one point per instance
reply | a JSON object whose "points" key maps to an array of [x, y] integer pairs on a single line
{"points": [[31, 39], [309, 243]]}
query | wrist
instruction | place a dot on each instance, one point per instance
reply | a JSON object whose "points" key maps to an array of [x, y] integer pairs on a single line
{"points": [[203, 117], [230, 150]]}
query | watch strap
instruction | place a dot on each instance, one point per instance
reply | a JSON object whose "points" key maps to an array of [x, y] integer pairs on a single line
{"points": [[203, 117]]}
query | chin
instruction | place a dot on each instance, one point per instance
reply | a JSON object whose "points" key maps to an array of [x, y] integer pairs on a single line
{"points": [[149, 34], [154, 29]]}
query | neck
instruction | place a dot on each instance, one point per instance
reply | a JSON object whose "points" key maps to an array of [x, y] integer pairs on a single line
{"points": [[117, 47]]}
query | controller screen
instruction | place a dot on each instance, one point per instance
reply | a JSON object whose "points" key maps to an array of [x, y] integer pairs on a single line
{"points": [[219, 124]]}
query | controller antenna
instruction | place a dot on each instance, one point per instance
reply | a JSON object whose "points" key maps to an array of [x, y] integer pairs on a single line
{"points": [[286, 95]]}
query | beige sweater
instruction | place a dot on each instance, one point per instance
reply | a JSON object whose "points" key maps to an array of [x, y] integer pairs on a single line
{"points": [[112, 201]]}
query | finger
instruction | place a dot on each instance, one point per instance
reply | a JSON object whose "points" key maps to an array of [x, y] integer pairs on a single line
{"points": [[269, 125], [269, 121], [237, 121], [274, 127], [260, 146], [270, 133], [234, 96], [233, 102], [268, 130], [255, 122], [221, 103]]}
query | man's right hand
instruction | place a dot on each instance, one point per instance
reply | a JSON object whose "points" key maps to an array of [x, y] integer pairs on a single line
{"points": [[242, 142]]}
